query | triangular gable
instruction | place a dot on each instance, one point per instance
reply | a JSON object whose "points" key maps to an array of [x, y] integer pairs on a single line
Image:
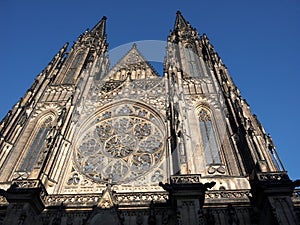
{"points": [[107, 200], [134, 64]]}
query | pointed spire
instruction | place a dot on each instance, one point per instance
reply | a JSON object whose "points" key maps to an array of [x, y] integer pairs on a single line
{"points": [[60, 53], [56, 59], [180, 22], [182, 30], [63, 50], [134, 46], [100, 27]]}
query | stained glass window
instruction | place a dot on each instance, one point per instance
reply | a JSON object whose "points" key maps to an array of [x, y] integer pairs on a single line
{"points": [[191, 59], [208, 138], [71, 71], [125, 142], [36, 146]]}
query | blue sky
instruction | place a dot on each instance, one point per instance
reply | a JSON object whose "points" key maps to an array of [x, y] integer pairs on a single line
{"points": [[257, 40]]}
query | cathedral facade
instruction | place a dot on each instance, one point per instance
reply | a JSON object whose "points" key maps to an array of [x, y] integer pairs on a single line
{"points": [[93, 144]]}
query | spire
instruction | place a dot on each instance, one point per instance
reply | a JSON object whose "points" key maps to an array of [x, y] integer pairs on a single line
{"points": [[61, 53], [180, 22], [100, 27], [63, 50], [182, 30], [55, 61]]}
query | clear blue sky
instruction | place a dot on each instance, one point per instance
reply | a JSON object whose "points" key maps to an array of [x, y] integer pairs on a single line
{"points": [[258, 41]]}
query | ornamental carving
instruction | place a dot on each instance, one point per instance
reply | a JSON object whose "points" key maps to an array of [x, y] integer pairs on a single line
{"points": [[93, 199], [296, 194], [216, 169], [148, 84], [146, 197], [275, 177], [72, 200], [123, 143], [186, 179], [21, 175], [234, 194], [151, 91], [74, 179], [27, 183], [3, 200], [108, 86]]}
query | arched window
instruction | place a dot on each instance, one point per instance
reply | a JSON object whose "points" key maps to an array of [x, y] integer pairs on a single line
{"points": [[36, 146], [72, 69], [208, 138], [192, 61]]}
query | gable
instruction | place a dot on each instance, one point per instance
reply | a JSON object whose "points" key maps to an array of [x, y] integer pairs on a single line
{"points": [[132, 66]]}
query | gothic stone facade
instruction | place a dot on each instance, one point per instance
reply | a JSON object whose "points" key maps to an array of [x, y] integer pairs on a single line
{"points": [[90, 144]]}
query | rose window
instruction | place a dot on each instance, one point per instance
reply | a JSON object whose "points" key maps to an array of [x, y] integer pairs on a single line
{"points": [[124, 142], [119, 145]]}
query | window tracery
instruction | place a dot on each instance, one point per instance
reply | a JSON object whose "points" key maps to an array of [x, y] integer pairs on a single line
{"points": [[208, 137], [74, 179], [74, 65], [36, 146], [192, 61], [124, 141]]}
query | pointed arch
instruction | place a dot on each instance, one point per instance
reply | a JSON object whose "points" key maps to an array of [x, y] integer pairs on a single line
{"points": [[208, 136], [192, 60], [119, 139], [77, 60], [37, 143]]}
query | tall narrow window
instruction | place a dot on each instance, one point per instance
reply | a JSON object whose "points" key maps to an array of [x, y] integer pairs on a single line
{"points": [[36, 146], [71, 72], [192, 62], [208, 138]]}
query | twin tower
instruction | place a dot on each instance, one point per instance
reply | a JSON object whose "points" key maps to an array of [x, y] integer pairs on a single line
{"points": [[90, 143]]}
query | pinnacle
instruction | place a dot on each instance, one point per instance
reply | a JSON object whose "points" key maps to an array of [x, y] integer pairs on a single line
{"points": [[180, 22], [134, 46], [65, 45], [99, 29]]}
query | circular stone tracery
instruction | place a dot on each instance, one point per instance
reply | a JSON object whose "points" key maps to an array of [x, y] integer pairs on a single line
{"points": [[119, 145], [124, 142]]}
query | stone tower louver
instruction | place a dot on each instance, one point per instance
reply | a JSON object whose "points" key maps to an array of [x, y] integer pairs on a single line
{"points": [[94, 144]]}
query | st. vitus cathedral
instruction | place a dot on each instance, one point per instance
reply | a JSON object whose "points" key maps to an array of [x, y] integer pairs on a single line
{"points": [[93, 143]]}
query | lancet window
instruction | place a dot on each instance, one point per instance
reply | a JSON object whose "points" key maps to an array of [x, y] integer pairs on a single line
{"points": [[192, 61], [208, 137], [36, 146], [72, 69]]}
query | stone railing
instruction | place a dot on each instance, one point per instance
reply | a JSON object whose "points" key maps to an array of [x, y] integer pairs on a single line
{"points": [[186, 179], [26, 184], [141, 197], [89, 200], [72, 199], [273, 176], [230, 194]]}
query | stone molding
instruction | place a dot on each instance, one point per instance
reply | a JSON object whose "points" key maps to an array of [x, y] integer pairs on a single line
{"points": [[136, 198]]}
